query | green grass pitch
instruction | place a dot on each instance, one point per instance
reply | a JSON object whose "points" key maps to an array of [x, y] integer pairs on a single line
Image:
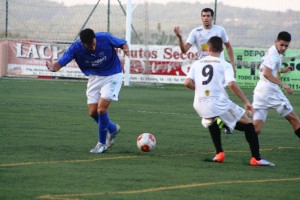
{"points": [[46, 135]]}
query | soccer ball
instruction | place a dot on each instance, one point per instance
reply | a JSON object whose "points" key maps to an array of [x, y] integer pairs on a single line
{"points": [[146, 142]]}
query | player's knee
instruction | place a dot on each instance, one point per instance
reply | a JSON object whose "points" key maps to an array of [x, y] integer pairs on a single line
{"points": [[101, 110], [258, 124], [257, 130], [93, 113]]}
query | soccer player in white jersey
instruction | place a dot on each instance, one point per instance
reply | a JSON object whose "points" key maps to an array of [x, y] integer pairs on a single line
{"points": [[267, 93], [207, 77], [96, 57], [200, 35]]}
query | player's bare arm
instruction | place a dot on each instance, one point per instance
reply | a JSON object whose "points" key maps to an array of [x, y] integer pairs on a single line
{"points": [[240, 94], [125, 49], [183, 47], [53, 67], [287, 69], [267, 73], [189, 83], [231, 56]]}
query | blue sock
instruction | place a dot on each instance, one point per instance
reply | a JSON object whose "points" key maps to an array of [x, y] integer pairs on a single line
{"points": [[102, 127], [112, 128]]}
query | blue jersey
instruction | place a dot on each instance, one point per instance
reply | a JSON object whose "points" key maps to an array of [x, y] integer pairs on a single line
{"points": [[104, 61]]}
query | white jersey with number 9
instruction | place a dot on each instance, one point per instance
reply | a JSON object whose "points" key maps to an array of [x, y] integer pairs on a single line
{"points": [[210, 74]]}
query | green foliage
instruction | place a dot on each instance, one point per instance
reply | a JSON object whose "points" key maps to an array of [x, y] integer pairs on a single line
{"points": [[46, 135]]}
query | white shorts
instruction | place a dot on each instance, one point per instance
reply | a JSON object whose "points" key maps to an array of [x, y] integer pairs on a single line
{"points": [[107, 87], [278, 102], [230, 117]]}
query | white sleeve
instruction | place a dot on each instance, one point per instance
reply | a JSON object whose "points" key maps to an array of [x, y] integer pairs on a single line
{"points": [[191, 72], [224, 36], [269, 61], [229, 74], [191, 39]]}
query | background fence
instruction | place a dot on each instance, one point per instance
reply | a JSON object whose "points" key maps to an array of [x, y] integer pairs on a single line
{"points": [[152, 23]]}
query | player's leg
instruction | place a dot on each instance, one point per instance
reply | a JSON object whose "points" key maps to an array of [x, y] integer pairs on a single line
{"points": [[259, 118], [222, 125], [112, 128], [110, 91], [97, 107], [295, 122], [251, 136], [285, 109], [237, 115], [103, 121], [93, 96], [262, 101], [94, 86], [252, 139], [258, 124], [215, 134]]}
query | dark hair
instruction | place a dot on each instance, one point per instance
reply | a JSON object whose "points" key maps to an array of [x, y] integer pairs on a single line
{"points": [[216, 43], [87, 36], [285, 36], [208, 10]]}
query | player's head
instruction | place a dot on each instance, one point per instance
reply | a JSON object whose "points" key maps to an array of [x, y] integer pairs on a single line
{"points": [[207, 16], [208, 10], [285, 36], [215, 44], [88, 39], [283, 41]]}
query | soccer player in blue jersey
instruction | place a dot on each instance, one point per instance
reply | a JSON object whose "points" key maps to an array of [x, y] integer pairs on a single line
{"points": [[97, 58]]}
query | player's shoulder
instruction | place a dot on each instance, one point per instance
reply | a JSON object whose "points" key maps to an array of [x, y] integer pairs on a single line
{"points": [[225, 63], [102, 34], [211, 59], [196, 64], [218, 27], [272, 53], [76, 46], [197, 29]]}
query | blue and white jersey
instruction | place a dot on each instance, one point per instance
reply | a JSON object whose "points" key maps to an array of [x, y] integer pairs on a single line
{"points": [[104, 61]]}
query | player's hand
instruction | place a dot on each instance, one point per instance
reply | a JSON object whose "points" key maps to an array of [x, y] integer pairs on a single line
{"points": [[177, 31], [126, 52], [50, 65], [287, 89], [287, 69], [249, 109], [125, 49]]}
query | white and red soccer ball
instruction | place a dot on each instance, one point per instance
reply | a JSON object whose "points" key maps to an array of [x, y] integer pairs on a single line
{"points": [[146, 142]]}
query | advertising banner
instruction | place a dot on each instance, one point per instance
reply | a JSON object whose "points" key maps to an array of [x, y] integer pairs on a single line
{"points": [[247, 62], [155, 63], [27, 58]]}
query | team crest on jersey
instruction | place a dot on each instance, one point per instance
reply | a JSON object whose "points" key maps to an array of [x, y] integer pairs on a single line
{"points": [[101, 54], [207, 92]]}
